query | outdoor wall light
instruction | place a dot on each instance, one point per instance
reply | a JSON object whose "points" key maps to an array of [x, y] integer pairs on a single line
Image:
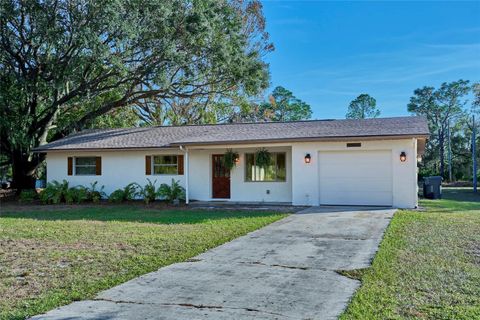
{"points": [[308, 158], [403, 156], [237, 160]]}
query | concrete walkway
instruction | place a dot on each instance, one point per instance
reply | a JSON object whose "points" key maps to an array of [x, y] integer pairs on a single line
{"points": [[283, 271]]}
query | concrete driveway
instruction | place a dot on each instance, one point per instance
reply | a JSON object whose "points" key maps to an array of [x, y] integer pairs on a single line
{"points": [[283, 271]]}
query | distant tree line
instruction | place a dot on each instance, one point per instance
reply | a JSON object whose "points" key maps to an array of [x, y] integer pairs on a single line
{"points": [[281, 105], [449, 110]]}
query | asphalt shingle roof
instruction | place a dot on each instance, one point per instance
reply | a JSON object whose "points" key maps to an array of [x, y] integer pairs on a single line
{"points": [[166, 136]]}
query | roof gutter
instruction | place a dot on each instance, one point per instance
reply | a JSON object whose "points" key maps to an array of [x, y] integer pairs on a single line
{"points": [[313, 139], [39, 150]]}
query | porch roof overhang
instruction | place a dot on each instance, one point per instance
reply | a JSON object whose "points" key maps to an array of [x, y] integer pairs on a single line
{"points": [[306, 139]]}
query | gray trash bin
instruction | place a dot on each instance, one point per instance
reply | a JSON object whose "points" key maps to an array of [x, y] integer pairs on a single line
{"points": [[432, 187]]}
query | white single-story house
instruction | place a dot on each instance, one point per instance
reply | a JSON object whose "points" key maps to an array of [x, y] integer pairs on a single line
{"points": [[318, 162]]}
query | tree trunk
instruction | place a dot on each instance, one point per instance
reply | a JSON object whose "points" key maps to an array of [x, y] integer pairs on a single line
{"points": [[441, 146], [449, 137], [23, 170]]}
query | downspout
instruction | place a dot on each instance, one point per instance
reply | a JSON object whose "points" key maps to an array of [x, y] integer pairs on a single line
{"points": [[186, 164]]}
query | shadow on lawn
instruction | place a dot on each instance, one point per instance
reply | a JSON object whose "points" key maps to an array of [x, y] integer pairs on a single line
{"points": [[460, 194], [455, 199], [132, 214]]}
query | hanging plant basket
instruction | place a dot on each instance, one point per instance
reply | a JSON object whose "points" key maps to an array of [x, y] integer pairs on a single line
{"points": [[263, 158], [230, 159]]}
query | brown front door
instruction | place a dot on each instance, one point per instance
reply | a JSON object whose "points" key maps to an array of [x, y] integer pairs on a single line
{"points": [[220, 178]]}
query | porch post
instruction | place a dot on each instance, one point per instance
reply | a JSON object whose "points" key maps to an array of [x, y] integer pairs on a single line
{"points": [[187, 165]]}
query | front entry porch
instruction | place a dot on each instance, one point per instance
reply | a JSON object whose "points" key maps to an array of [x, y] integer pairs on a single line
{"points": [[209, 180]]}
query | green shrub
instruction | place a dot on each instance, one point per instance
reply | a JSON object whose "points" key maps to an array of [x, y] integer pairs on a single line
{"points": [[28, 195], [125, 194], [172, 192], [76, 195], [131, 191], [70, 195], [149, 193], [55, 192], [116, 196], [47, 194], [93, 194]]}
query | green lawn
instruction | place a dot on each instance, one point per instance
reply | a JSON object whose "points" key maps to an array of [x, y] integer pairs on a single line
{"points": [[428, 265], [50, 258]]}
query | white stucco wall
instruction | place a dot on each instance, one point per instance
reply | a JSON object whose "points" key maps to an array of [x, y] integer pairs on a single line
{"points": [[305, 184], [240, 190], [119, 168], [301, 187]]}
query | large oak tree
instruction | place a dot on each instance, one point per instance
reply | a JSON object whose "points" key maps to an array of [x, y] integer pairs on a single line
{"points": [[219, 105], [64, 63]]}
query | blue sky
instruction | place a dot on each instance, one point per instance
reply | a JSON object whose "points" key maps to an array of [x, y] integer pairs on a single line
{"points": [[327, 53]]}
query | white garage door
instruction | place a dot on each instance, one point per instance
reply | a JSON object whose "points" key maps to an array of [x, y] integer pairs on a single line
{"points": [[356, 178]]}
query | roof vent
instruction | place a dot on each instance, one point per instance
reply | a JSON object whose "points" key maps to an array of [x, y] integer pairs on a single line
{"points": [[354, 144]]}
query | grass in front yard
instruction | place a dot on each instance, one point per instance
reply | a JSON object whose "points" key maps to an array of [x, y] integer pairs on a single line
{"points": [[50, 258], [428, 264]]}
